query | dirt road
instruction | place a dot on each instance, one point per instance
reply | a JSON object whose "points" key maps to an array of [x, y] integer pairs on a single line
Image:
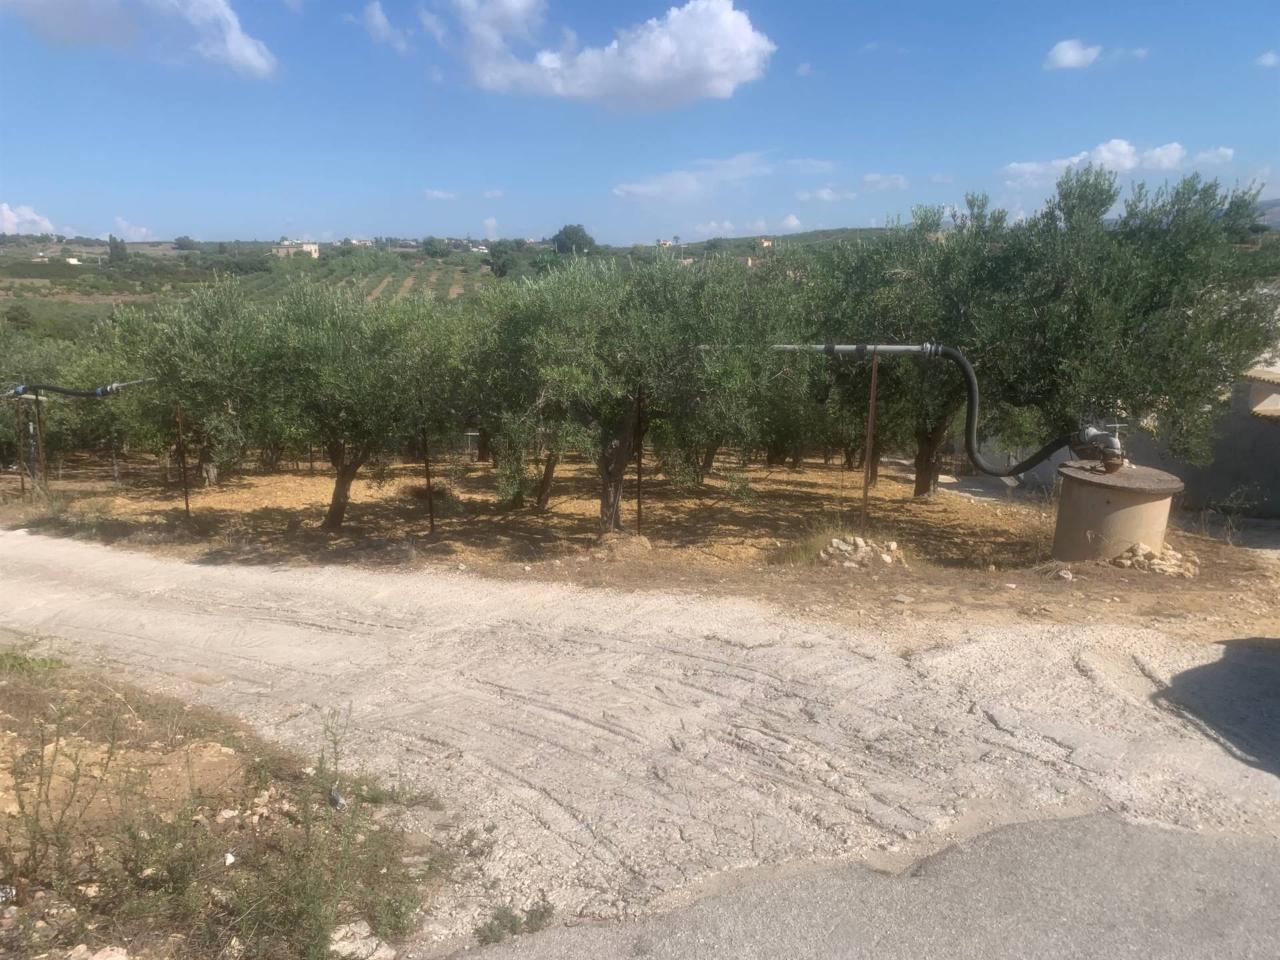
{"points": [[628, 751]]}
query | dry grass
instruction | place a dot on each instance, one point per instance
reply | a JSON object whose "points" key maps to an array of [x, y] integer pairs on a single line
{"points": [[133, 819], [741, 517]]}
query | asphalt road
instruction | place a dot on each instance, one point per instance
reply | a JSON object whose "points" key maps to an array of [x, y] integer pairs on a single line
{"points": [[1093, 887]]}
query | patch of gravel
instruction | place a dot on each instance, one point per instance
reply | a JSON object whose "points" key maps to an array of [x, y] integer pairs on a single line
{"points": [[625, 751]]}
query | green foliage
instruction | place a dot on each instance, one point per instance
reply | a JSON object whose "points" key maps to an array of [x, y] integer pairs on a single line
{"points": [[117, 252], [185, 243], [573, 238]]}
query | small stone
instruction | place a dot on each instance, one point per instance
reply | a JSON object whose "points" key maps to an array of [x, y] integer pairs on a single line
{"points": [[1011, 586], [527, 568], [850, 564], [886, 558], [111, 953], [892, 546], [78, 952], [902, 598], [229, 859], [1065, 574], [860, 543], [1123, 562], [225, 815]]}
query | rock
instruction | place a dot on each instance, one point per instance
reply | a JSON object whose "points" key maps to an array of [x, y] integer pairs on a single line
{"points": [[229, 859], [1122, 562], [79, 952], [1140, 549], [902, 598], [111, 953], [886, 558], [824, 556], [1011, 586], [892, 546], [1065, 574], [860, 543], [851, 564], [355, 941]]}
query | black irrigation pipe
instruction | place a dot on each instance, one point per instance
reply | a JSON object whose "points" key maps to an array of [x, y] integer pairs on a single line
{"points": [[929, 351], [94, 393]]}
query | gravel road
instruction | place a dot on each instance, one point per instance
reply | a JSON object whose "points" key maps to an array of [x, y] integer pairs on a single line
{"points": [[626, 752]]}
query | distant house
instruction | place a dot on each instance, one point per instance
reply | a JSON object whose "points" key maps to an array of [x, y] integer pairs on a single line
{"points": [[292, 248], [74, 261], [765, 243], [362, 243], [664, 243]]}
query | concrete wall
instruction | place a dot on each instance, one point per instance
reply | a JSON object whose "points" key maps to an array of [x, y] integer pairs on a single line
{"points": [[1245, 464]]}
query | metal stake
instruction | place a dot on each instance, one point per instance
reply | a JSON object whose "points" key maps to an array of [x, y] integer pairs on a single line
{"points": [[871, 436], [182, 463], [639, 457], [426, 467]]}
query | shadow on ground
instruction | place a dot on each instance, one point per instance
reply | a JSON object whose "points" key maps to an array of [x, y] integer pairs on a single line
{"points": [[1237, 697]]}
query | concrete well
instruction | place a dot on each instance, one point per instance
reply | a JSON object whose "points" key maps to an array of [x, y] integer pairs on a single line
{"points": [[1101, 515]]}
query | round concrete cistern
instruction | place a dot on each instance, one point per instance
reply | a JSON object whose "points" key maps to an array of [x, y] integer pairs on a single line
{"points": [[1101, 514]]}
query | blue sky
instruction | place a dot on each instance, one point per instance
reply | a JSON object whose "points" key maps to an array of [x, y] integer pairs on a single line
{"points": [[329, 118]]}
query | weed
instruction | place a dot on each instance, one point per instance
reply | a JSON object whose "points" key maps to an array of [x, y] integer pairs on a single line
{"points": [[505, 921], [20, 663], [153, 819]]}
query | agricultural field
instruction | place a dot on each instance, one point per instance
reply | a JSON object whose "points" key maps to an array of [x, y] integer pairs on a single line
{"points": [[62, 300]]}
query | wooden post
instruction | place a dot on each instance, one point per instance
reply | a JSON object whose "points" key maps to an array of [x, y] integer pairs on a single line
{"points": [[871, 435], [426, 468], [182, 463]]}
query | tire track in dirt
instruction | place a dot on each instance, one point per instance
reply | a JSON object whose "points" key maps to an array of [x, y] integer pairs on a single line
{"points": [[616, 752], [405, 286]]}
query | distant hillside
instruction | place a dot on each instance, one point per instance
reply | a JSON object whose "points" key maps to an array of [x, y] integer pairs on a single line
{"points": [[1269, 210]]}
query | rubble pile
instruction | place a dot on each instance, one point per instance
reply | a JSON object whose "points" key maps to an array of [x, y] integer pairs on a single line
{"points": [[1167, 561], [859, 554]]}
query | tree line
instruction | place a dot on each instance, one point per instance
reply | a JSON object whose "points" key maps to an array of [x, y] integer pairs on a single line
{"points": [[1071, 314]]}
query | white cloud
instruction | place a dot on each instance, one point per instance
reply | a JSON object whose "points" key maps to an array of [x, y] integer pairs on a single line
{"points": [[432, 25], [1215, 156], [704, 178], [1269, 59], [438, 194], [131, 231], [490, 228], [493, 194], [942, 178], [374, 20], [294, 5], [1167, 157], [756, 226], [1071, 55], [1117, 155], [790, 222], [222, 39], [23, 219], [827, 194], [714, 228], [885, 181], [706, 48], [804, 70]]}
